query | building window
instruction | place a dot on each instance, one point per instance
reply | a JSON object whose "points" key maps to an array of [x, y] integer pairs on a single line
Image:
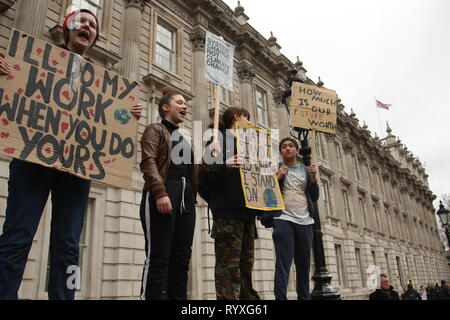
{"points": [[355, 167], [375, 211], [387, 266], [381, 183], [399, 269], [326, 197], [261, 106], [339, 156], [95, 6], [369, 174], [374, 258], [340, 266], [388, 220], [225, 96], [347, 210], [360, 267], [362, 206], [320, 146], [166, 47]]}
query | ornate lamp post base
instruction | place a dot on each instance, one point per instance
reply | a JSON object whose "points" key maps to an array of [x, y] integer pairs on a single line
{"points": [[322, 288]]}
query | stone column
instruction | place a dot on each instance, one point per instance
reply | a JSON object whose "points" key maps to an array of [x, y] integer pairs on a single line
{"points": [[200, 112], [200, 85], [131, 52], [283, 116], [246, 75], [30, 16]]}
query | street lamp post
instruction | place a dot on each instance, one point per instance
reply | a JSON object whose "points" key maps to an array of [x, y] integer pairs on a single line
{"points": [[322, 278], [444, 216]]}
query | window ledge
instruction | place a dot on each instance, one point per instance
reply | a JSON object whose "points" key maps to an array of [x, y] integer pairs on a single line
{"points": [[6, 4], [335, 222], [159, 83], [327, 171], [362, 189], [167, 72], [346, 181], [353, 225]]}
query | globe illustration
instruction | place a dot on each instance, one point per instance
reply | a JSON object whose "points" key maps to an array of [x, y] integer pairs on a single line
{"points": [[122, 116], [270, 198]]}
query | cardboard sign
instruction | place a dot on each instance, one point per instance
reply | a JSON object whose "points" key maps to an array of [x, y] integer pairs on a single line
{"points": [[219, 61], [313, 108], [260, 185], [61, 111]]}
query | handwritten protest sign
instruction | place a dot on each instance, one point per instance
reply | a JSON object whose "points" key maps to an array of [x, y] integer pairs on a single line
{"points": [[219, 60], [313, 108], [61, 111], [260, 185]]}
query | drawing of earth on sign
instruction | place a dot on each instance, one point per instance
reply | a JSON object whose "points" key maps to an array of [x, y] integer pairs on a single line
{"points": [[270, 198], [122, 116]]}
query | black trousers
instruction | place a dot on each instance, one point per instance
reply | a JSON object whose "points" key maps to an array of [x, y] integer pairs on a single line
{"points": [[168, 244]]}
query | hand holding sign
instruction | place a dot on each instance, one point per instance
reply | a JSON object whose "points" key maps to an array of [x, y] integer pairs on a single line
{"points": [[282, 172], [313, 173], [235, 162], [4, 66], [137, 111], [215, 147]]}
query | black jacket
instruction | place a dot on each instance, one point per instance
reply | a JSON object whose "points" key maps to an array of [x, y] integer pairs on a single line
{"points": [[411, 294], [381, 294], [226, 197]]}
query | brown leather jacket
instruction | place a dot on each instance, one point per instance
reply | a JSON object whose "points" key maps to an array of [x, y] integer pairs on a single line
{"points": [[156, 147]]}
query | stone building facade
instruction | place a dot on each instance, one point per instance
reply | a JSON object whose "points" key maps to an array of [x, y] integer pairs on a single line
{"points": [[376, 205]]}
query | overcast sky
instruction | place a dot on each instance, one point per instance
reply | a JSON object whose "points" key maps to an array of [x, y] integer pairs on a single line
{"points": [[395, 50]]}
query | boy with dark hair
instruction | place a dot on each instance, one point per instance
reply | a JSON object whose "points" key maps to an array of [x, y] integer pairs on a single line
{"points": [[293, 229]]}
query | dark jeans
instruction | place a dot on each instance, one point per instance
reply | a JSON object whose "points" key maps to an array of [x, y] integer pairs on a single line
{"points": [[168, 244], [292, 240], [29, 187]]}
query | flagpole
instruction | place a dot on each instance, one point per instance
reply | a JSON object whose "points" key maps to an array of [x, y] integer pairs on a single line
{"points": [[379, 118]]}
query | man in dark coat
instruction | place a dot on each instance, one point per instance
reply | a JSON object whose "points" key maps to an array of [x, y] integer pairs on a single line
{"points": [[386, 292]]}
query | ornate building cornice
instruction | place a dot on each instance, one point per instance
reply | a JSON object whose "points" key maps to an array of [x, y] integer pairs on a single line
{"points": [[198, 38], [347, 146], [246, 72], [139, 4]]}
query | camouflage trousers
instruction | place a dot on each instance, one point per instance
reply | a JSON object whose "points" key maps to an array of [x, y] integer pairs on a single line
{"points": [[235, 251]]}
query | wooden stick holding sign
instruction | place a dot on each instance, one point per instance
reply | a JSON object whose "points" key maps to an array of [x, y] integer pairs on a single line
{"points": [[219, 60], [314, 161], [216, 105], [313, 147]]}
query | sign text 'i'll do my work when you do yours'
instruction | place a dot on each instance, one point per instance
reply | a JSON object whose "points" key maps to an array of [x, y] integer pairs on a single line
{"points": [[59, 110]]}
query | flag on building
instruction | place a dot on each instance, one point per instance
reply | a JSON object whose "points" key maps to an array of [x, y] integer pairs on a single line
{"points": [[382, 105]]}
